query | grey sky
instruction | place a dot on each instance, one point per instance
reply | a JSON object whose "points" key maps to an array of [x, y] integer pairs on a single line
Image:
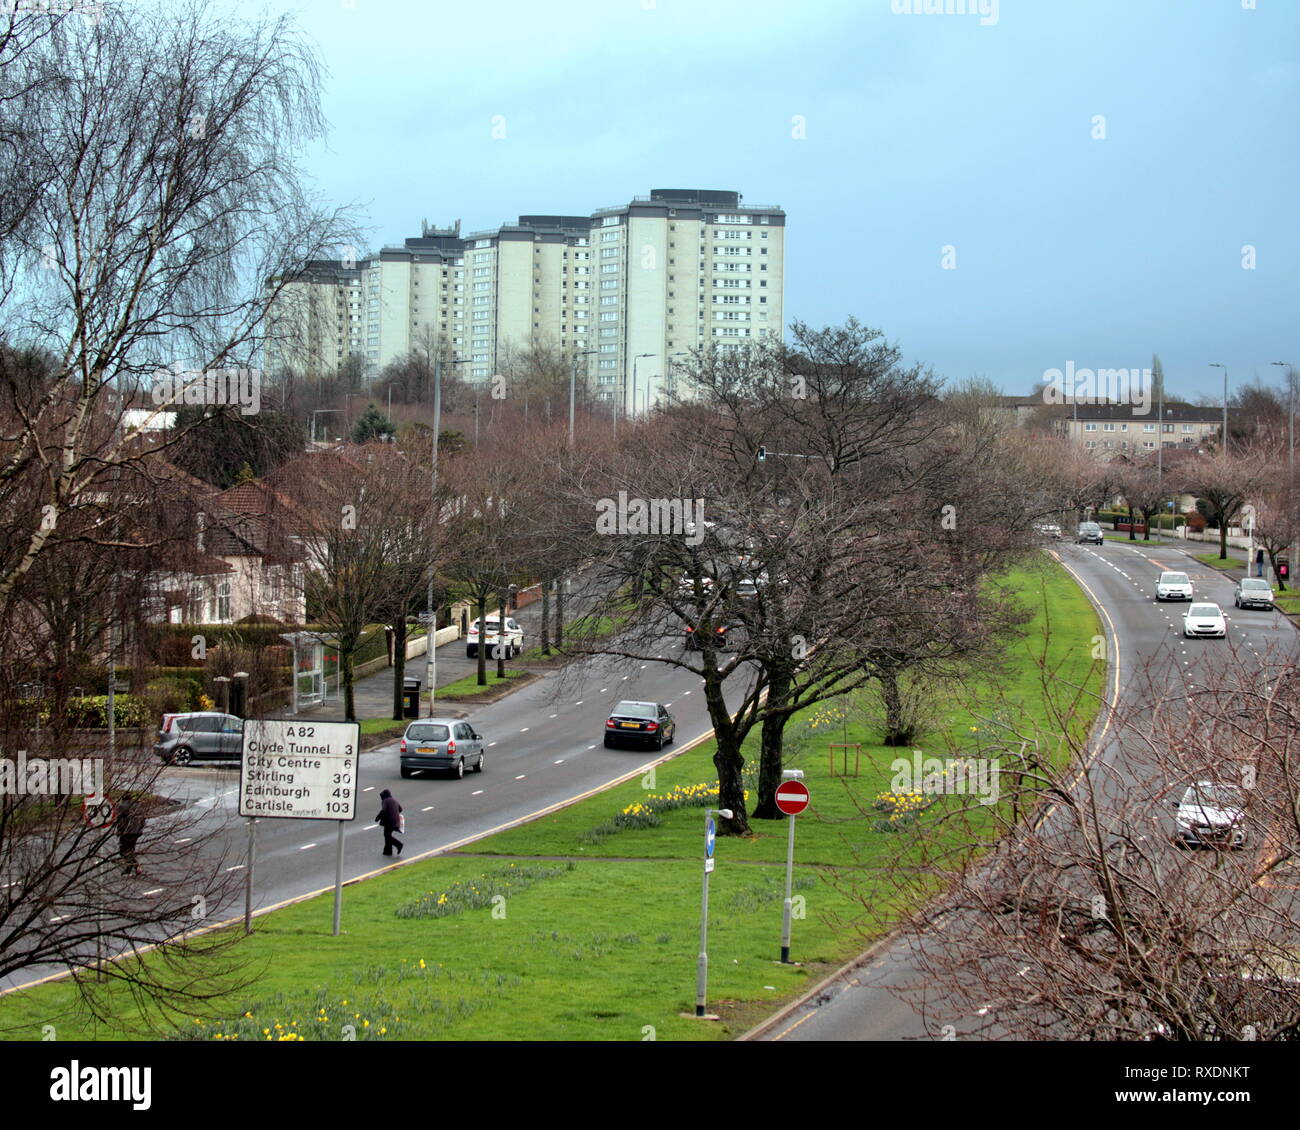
{"points": [[921, 131]]}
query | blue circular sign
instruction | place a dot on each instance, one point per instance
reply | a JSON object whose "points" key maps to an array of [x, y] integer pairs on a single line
{"points": [[710, 834]]}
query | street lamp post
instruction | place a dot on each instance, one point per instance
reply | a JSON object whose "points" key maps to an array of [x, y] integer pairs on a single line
{"points": [[431, 631], [635, 360], [573, 386], [1217, 365], [1290, 457]]}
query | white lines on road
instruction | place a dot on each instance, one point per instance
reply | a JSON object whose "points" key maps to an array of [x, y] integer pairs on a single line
{"points": [[626, 677], [155, 891], [427, 808], [554, 715], [591, 747], [306, 847], [578, 703], [237, 867], [58, 918], [491, 744], [368, 789], [560, 762], [477, 792], [643, 666], [686, 692], [185, 840], [524, 730], [603, 689], [521, 776], [369, 827]]}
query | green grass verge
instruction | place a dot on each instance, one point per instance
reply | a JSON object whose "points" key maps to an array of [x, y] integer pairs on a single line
{"points": [[1288, 601], [1217, 562], [606, 949], [470, 685]]}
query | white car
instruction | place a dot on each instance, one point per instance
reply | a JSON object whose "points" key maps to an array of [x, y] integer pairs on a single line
{"points": [[513, 641], [1212, 815], [1173, 586], [1204, 620], [1048, 529]]}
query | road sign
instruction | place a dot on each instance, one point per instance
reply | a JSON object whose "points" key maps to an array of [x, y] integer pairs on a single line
{"points": [[97, 812], [710, 836], [426, 617], [792, 797], [299, 770], [708, 864]]}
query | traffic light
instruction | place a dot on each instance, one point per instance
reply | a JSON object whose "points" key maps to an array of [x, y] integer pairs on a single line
{"points": [[762, 454]]}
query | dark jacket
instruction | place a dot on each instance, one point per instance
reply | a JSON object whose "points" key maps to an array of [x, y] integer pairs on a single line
{"points": [[130, 817], [389, 812]]}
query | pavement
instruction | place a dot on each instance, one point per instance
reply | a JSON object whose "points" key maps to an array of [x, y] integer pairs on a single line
{"points": [[374, 694]]}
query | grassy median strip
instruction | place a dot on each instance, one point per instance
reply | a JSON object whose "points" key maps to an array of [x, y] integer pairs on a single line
{"points": [[584, 924]]}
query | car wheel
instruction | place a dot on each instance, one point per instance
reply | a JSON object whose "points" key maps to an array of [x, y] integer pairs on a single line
{"points": [[406, 772], [659, 743], [460, 769], [672, 736], [609, 744], [478, 767], [471, 653], [182, 756]]}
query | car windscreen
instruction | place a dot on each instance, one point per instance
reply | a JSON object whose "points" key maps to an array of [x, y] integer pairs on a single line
{"points": [[427, 733], [1216, 796], [1173, 578], [636, 709], [1262, 586], [1090, 526], [1203, 610]]}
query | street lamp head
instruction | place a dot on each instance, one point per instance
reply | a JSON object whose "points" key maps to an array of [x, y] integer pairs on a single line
{"points": [[725, 813]]}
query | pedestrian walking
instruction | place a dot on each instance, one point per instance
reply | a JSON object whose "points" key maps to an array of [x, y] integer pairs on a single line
{"points": [[130, 825], [390, 819]]}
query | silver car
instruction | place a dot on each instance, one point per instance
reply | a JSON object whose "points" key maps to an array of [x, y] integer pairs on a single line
{"points": [[441, 744], [1211, 815], [200, 735], [1253, 592]]}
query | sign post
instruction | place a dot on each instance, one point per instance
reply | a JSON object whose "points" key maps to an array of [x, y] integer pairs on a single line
{"points": [[792, 799], [702, 965], [293, 770]]}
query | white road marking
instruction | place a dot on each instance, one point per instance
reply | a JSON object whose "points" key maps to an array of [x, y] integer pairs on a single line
{"points": [[560, 762], [186, 840], [237, 867], [477, 792], [578, 703], [524, 730], [521, 776], [369, 827], [554, 715], [155, 891], [427, 808], [368, 789], [491, 744], [591, 747], [305, 847]]}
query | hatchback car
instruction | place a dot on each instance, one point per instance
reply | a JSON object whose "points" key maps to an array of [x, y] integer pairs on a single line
{"points": [[693, 640], [1048, 529], [1211, 815], [200, 735], [1252, 592], [640, 723], [441, 744], [1173, 586], [1204, 620], [1089, 532]]}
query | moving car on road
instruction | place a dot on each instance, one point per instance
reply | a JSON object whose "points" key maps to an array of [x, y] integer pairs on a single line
{"points": [[1048, 529], [441, 744], [200, 735], [719, 638], [1173, 586], [641, 723], [1089, 532], [1204, 620], [1253, 592], [513, 640], [1211, 815]]}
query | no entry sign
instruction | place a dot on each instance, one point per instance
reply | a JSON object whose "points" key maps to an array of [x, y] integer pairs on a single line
{"points": [[792, 797]]}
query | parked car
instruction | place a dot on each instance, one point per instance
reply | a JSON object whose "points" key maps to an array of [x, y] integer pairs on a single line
{"points": [[1088, 532], [1173, 586], [1211, 815], [1204, 620], [1253, 592], [513, 641], [199, 735], [440, 744], [641, 723]]}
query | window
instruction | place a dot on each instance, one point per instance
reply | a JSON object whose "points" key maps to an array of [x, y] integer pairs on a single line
{"points": [[609, 221], [1089, 427], [608, 364], [733, 219], [1188, 428], [482, 272], [609, 316], [609, 331], [1148, 427], [609, 252], [1108, 427], [223, 601], [483, 286], [483, 257], [609, 348], [483, 243]]}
